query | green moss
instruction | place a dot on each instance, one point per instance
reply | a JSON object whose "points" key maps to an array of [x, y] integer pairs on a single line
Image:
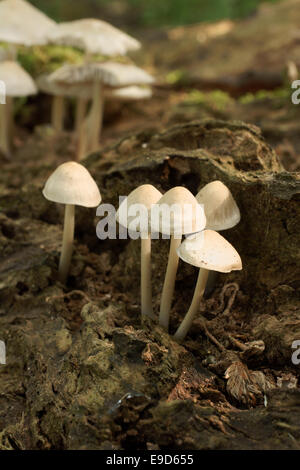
{"points": [[176, 77], [265, 94], [216, 99]]}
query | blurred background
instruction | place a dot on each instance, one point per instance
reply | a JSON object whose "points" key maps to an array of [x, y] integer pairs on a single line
{"points": [[149, 13]]}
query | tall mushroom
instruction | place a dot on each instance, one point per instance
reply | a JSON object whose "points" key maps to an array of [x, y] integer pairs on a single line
{"points": [[145, 195], [17, 83], [177, 213], [70, 184], [100, 75], [207, 250]]}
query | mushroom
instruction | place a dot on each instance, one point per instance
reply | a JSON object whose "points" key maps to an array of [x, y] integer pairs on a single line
{"points": [[17, 83], [23, 24], [110, 74], [93, 36], [145, 195], [70, 184], [221, 213], [60, 92], [220, 208], [207, 250], [183, 215]]}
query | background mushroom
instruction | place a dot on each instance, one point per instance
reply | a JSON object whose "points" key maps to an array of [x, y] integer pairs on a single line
{"points": [[18, 83], [146, 195], [189, 218], [207, 250], [70, 184], [60, 92], [109, 74]]}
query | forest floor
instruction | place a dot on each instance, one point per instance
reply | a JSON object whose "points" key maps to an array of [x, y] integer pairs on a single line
{"points": [[84, 371]]}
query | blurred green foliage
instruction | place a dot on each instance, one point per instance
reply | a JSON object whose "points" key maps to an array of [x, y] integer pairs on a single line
{"points": [[149, 12]]}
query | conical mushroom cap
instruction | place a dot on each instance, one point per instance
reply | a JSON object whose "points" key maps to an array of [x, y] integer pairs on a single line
{"points": [[220, 208], [177, 213], [94, 36], [22, 23], [17, 81], [112, 74], [146, 195], [209, 250], [71, 183]]}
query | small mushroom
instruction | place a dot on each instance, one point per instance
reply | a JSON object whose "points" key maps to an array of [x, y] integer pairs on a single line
{"points": [[17, 83], [221, 213], [146, 195], [209, 251], [184, 216], [70, 184], [100, 75], [220, 208]]}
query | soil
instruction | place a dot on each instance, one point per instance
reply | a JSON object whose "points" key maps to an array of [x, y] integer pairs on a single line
{"points": [[84, 370]]}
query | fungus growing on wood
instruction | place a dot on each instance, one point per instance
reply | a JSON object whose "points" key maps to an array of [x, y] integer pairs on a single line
{"points": [[145, 195], [209, 251], [183, 215], [70, 184], [220, 208]]}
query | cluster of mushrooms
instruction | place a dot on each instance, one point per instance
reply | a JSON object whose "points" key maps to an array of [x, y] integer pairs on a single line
{"points": [[89, 83], [212, 210]]}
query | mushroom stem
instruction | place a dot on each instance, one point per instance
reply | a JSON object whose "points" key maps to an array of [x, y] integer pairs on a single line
{"points": [[67, 245], [198, 294], [58, 113], [81, 107], [96, 115], [169, 283], [146, 287]]}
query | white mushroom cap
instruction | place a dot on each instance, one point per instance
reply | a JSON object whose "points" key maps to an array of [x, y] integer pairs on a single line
{"points": [[220, 208], [83, 90], [17, 81], [112, 74], [71, 183], [188, 216], [209, 250], [94, 36], [130, 93], [22, 23], [147, 195]]}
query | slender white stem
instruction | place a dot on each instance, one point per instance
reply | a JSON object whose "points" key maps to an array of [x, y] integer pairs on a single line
{"points": [[198, 294], [67, 245], [96, 116], [169, 283], [146, 286], [81, 108], [58, 113]]}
